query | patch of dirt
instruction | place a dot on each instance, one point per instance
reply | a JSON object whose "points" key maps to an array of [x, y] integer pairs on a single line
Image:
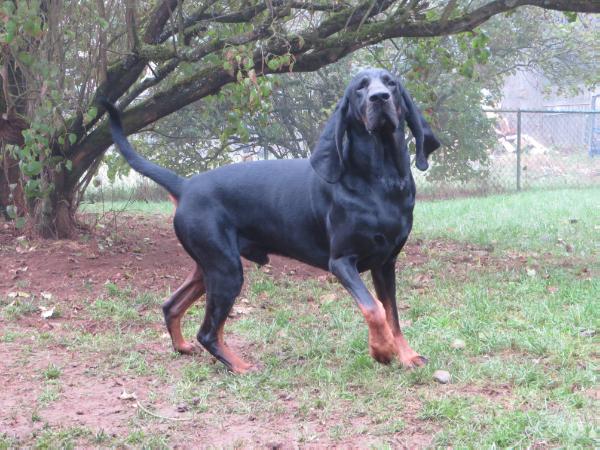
{"points": [[140, 251], [94, 401], [143, 252]]}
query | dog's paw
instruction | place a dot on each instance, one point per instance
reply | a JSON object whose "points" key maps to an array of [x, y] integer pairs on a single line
{"points": [[244, 369], [413, 362], [382, 353], [188, 348]]}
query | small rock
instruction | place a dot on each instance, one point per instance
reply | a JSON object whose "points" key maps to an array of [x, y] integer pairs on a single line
{"points": [[182, 408], [458, 344], [79, 413], [441, 376]]}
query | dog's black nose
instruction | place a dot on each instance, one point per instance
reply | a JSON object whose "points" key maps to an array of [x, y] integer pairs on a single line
{"points": [[379, 96]]}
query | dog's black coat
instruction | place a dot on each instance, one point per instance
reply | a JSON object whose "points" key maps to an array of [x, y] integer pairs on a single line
{"points": [[347, 210]]}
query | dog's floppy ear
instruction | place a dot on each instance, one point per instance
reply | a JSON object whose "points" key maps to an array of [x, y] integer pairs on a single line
{"points": [[327, 158], [425, 140]]}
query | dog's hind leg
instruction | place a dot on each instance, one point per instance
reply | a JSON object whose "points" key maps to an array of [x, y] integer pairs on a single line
{"points": [[174, 308], [223, 284]]}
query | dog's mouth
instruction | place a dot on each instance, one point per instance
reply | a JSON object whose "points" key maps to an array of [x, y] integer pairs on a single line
{"points": [[380, 117]]}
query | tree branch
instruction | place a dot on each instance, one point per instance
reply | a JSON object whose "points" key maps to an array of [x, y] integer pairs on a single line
{"points": [[311, 51]]}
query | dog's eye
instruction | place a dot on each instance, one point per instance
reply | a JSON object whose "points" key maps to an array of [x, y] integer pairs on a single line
{"points": [[391, 83], [363, 84]]}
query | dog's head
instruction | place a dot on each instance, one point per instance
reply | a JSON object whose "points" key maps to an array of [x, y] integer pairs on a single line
{"points": [[374, 102]]}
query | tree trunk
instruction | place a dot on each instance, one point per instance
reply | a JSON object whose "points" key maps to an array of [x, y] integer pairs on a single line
{"points": [[54, 214], [54, 217], [11, 189]]}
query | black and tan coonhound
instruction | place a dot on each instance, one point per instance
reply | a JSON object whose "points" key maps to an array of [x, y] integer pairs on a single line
{"points": [[347, 209]]}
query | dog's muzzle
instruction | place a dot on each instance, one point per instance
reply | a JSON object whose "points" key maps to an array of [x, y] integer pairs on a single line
{"points": [[380, 110]]}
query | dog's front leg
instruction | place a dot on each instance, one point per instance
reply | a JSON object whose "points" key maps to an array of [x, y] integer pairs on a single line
{"points": [[382, 344], [384, 279]]}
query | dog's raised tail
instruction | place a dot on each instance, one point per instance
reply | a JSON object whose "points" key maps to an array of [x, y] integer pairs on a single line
{"points": [[165, 177]]}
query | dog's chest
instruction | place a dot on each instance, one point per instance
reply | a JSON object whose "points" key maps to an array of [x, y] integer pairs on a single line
{"points": [[376, 217], [389, 210]]}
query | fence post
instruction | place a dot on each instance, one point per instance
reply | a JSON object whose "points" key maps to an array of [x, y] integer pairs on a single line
{"points": [[519, 150]]}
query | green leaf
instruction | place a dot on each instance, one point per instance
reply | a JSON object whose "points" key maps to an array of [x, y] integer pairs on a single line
{"points": [[103, 23], [91, 114], [20, 222], [8, 7], [33, 27], [274, 63], [72, 138], [25, 58], [69, 164], [32, 188], [11, 29], [11, 210], [249, 64], [33, 168]]}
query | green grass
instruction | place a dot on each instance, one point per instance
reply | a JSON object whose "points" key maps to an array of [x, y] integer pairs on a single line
{"points": [[533, 220], [52, 372], [520, 339], [539, 220], [527, 376], [138, 207]]}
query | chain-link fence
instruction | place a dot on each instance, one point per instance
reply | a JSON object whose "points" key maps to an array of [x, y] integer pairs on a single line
{"points": [[533, 149]]}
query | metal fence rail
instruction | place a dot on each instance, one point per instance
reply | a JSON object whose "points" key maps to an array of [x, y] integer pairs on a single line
{"points": [[533, 149]]}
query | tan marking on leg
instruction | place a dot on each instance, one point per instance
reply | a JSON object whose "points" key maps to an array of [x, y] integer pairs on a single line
{"points": [[381, 340], [238, 365], [191, 289], [406, 355]]}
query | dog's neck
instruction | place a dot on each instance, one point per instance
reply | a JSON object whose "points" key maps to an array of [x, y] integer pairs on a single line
{"points": [[378, 154]]}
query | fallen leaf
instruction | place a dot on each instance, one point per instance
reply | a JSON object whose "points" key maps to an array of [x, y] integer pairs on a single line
{"points": [[587, 333], [47, 313], [127, 395], [46, 295]]}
